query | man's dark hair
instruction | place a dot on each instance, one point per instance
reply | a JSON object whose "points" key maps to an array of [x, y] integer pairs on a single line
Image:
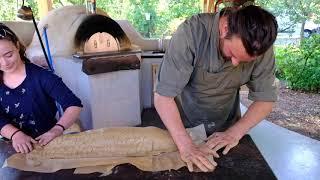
{"points": [[256, 27]]}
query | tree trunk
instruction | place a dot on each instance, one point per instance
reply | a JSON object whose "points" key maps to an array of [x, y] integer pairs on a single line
{"points": [[302, 30]]}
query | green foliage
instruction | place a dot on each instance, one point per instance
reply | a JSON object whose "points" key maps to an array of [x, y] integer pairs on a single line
{"points": [[60, 3], [293, 11], [173, 13], [300, 66], [165, 15], [138, 12], [115, 9], [7, 11], [34, 7]]}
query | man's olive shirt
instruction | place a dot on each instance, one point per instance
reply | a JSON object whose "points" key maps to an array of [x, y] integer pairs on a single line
{"points": [[205, 85]]}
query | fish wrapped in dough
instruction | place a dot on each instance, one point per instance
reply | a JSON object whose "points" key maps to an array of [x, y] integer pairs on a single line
{"points": [[108, 142]]}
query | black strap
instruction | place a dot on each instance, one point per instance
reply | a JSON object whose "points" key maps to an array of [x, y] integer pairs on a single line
{"points": [[14, 133], [63, 128]]}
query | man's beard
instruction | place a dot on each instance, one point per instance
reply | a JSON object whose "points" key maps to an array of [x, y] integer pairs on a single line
{"points": [[221, 43]]}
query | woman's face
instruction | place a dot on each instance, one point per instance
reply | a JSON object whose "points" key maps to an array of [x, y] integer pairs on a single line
{"points": [[10, 58]]}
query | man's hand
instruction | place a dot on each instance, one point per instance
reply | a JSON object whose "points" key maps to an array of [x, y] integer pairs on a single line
{"points": [[22, 143], [219, 140], [45, 138], [192, 154]]}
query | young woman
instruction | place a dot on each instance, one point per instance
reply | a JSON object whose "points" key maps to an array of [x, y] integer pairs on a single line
{"points": [[27, 98]]}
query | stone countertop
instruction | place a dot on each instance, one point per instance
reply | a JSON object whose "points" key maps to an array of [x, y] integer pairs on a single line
{"points": [[242, 162]]}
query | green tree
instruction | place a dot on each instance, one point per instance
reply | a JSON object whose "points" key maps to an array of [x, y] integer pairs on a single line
{"points": [[300, 65], [8, 10], [115, 9], [143, 15], [165, 15], [303, 10], [171, 13], [298, 11], [60, 3]]}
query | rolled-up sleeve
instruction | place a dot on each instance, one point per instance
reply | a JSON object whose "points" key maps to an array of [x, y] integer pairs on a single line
{"points": [[177, 65], [262, 86]]}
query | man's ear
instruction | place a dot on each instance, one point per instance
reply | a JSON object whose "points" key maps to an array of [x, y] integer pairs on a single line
{"points": [[223, 28]]}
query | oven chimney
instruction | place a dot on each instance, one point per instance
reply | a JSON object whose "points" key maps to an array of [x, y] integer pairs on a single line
{"points": [[91, 7]]}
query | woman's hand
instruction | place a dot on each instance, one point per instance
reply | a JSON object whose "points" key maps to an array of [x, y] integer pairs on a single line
{"points": [[22, 143], [45, 138]]}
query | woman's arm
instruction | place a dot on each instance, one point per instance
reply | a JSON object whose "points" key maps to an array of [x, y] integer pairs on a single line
{"points": [[70, 115], [70, 103], [8, 130], [21, 142]]}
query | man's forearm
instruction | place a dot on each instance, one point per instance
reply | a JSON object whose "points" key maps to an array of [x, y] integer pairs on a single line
{"points": [[256, 112], [168, 111]]}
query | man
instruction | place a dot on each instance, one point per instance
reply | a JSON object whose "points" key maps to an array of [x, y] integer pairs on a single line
{"points": [[208, 59]]}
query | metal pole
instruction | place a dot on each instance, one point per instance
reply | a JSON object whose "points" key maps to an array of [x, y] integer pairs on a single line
{"points": [[41, 43]]}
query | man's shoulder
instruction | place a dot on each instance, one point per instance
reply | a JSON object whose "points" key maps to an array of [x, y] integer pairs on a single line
{"points": [[266, 56], [198, 25], [201, 19]]}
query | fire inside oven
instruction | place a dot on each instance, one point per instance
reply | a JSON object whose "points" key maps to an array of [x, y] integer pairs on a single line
{"points": [[104, 46]]}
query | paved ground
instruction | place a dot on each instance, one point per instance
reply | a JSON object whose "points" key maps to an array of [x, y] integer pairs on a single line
{"points": [[296, 111]]}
